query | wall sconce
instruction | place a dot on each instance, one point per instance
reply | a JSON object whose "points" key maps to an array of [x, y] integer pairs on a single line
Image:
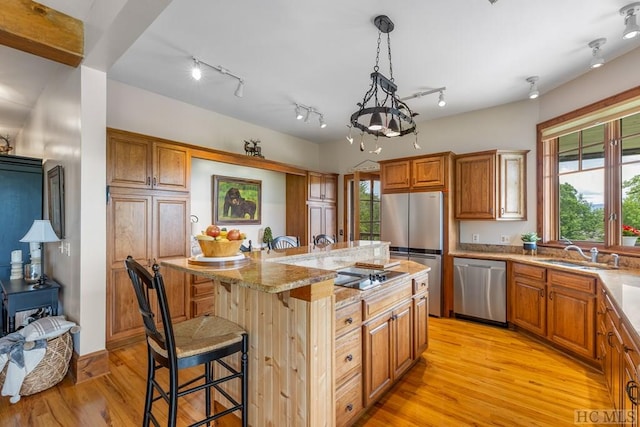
{"points": [[196, 73]]}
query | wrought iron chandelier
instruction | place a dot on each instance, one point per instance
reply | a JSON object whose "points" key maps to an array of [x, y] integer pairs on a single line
{"points": [[381, 112]]}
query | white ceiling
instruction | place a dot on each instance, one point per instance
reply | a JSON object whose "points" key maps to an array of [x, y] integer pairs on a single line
{"points": [[321, 54]]}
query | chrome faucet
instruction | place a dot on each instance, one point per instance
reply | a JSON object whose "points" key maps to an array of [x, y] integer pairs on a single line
{"points": [[594, 252], [616, 260]]}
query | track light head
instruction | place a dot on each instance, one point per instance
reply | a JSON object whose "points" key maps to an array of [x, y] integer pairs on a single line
{"points": [[533, 89], [631, 29], [441, 101], [196, 72], [240, 89], [323, 124], [597, 60]]}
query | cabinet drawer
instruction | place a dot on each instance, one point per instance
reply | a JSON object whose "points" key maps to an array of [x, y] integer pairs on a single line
{"points": [[421, 284], [629, 345], [348, 355], [202, 306], [348, 318], [572, 281], [349, 401], [199, 279], [382, 302], [200, 289], [531, 271]]}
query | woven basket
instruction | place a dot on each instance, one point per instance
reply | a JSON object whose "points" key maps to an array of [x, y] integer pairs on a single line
{"points": [[51, 369]]}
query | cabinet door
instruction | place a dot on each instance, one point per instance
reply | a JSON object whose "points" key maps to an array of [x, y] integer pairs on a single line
{"points": [[171, 167], [128, 161], [315, 183], [170, 231], [475, 187], [395, 176], [428, 172], [330, 184], [403, 338], [630, 392], [316, 219], [513, 198], [529, 305], [330, 219], [571, 320], [129, 228], [378, 368], [420, 324]]}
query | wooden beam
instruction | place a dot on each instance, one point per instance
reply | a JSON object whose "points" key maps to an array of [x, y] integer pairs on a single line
{"points": [[31, 27]]}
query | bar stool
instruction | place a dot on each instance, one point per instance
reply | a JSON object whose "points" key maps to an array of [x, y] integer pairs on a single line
{"points": [[199, 341]]}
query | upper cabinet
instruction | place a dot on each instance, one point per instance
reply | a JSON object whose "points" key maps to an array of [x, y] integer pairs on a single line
{"points": [[322, 187], [491, 185], [135, 161], [415, 174]]}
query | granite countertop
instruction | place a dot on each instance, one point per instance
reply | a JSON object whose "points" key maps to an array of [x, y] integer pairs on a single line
{"points": [[622, 285]]}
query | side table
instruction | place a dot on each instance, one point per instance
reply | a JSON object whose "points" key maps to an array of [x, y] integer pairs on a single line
{"points": [[20, 295]]}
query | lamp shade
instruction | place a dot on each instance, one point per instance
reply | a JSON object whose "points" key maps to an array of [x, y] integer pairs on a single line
{"points": [[40, 231]]}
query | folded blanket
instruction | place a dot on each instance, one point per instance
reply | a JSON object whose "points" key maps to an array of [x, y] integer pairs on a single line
{"points": [[23, 357]]}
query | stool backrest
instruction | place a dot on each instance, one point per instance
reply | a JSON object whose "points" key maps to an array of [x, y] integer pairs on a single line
{"points": [[145, 285], [324, 239], [283, 242]]}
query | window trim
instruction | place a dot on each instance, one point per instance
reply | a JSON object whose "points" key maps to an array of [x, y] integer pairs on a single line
{"points": [[608, 109]]}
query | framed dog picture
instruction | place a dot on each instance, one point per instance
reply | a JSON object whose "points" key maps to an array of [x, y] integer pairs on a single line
{"points": [[236, 200]]}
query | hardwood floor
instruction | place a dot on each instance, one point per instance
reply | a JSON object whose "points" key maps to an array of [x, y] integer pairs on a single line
{"points": [[471, 375]]}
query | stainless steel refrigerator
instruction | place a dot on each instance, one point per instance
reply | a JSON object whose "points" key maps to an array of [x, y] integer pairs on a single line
{"points": [[413, 224]]}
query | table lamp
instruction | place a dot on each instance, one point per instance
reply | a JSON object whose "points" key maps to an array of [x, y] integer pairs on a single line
{"points": [[40, 232]]}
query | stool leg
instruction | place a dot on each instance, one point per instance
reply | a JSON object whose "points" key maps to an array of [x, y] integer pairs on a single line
{"points": [[207, 390], [173, 395], [245, 380], [148, 399]]}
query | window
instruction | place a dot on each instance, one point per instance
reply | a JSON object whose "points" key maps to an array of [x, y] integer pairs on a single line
{"points": [[369, 209], [589, 179]]}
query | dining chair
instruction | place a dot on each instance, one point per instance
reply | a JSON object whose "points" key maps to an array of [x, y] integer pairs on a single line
{"points": [[284, 242], [323, 240], [199, 341]]}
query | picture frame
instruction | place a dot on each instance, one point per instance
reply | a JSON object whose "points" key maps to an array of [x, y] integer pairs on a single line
{"points": [[55, 181], [236, 200]]}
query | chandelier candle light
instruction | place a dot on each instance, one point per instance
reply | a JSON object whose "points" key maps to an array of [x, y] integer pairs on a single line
{"points": [[381, 112]]}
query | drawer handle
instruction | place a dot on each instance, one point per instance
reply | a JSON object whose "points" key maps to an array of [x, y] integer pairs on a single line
{"points": [[632, 392], [349, 407], [551, 295], [609, 335], [423, 298], [541, 293], [627, 349], [349, 357], [348, 320]]}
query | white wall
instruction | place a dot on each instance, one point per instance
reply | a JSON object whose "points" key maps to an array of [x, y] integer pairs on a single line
{"points": [[54, 132], [137, 110], [273, 197]]}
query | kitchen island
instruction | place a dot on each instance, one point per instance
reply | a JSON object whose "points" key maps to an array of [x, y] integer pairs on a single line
{"points": [[286, 301]]}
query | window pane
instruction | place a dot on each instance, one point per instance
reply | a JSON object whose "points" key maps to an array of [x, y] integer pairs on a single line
{"points": [[593, 135], [593, 156], [630, 125], [569, 142], [631, 196], [581, 204], [631, 149], [568, 162]]}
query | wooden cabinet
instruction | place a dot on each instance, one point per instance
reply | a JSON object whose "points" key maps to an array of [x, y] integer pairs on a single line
{"points": [[415, 174], [322, 187], [349, 402], [619, 355], [147, 227], [202, 296], [322, 219], [136, 161], [491, 185], [560, 308], [421, 314]]}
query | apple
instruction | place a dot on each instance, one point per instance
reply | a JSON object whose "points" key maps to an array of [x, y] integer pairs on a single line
{"points": [[233, 234], [213, 231]]}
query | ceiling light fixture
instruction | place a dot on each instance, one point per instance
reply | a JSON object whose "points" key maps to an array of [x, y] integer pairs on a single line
{"points": [[309, 111], [533, 89], [196, 73], [631, 29], [349, 137], [441, 101], [597, 60], [388, 115]]}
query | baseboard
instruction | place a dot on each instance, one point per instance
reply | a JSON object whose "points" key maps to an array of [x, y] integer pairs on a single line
{"points": [[84, 368]]}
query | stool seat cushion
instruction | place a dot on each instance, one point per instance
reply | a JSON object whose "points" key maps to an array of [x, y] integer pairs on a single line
{"points": [[200, 335]]}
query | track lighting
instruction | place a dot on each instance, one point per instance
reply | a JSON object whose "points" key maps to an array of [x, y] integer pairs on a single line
{"points": [[300, 113], [533, 89], [440, 90], [597, 60], [631, 29], [196, 73]]}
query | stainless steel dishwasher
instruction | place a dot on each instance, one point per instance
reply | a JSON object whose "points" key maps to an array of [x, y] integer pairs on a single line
{"points": [[480, 290]]}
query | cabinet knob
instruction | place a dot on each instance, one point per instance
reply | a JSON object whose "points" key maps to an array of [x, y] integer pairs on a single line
{"points": [[349, 407], [348, 320], [349, 357]]}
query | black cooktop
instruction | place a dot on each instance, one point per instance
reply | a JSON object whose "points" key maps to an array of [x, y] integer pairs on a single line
{"points": [[364, 278]]}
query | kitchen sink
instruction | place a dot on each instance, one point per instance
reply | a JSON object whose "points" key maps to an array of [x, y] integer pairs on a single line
{"points": [[577, 264]]}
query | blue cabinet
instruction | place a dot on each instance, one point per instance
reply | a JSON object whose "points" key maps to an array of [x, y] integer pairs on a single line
{"points": [[20, 203]]}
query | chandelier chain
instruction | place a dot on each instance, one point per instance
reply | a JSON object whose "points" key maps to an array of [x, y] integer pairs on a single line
{"points": [[377, 67], [390, 63]]}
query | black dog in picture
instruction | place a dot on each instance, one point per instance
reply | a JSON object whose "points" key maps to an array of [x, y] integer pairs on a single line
{"points": [[237, 207]]}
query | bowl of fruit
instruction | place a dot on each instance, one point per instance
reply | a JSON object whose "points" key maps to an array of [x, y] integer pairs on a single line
{"points": [[218, 242]]}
